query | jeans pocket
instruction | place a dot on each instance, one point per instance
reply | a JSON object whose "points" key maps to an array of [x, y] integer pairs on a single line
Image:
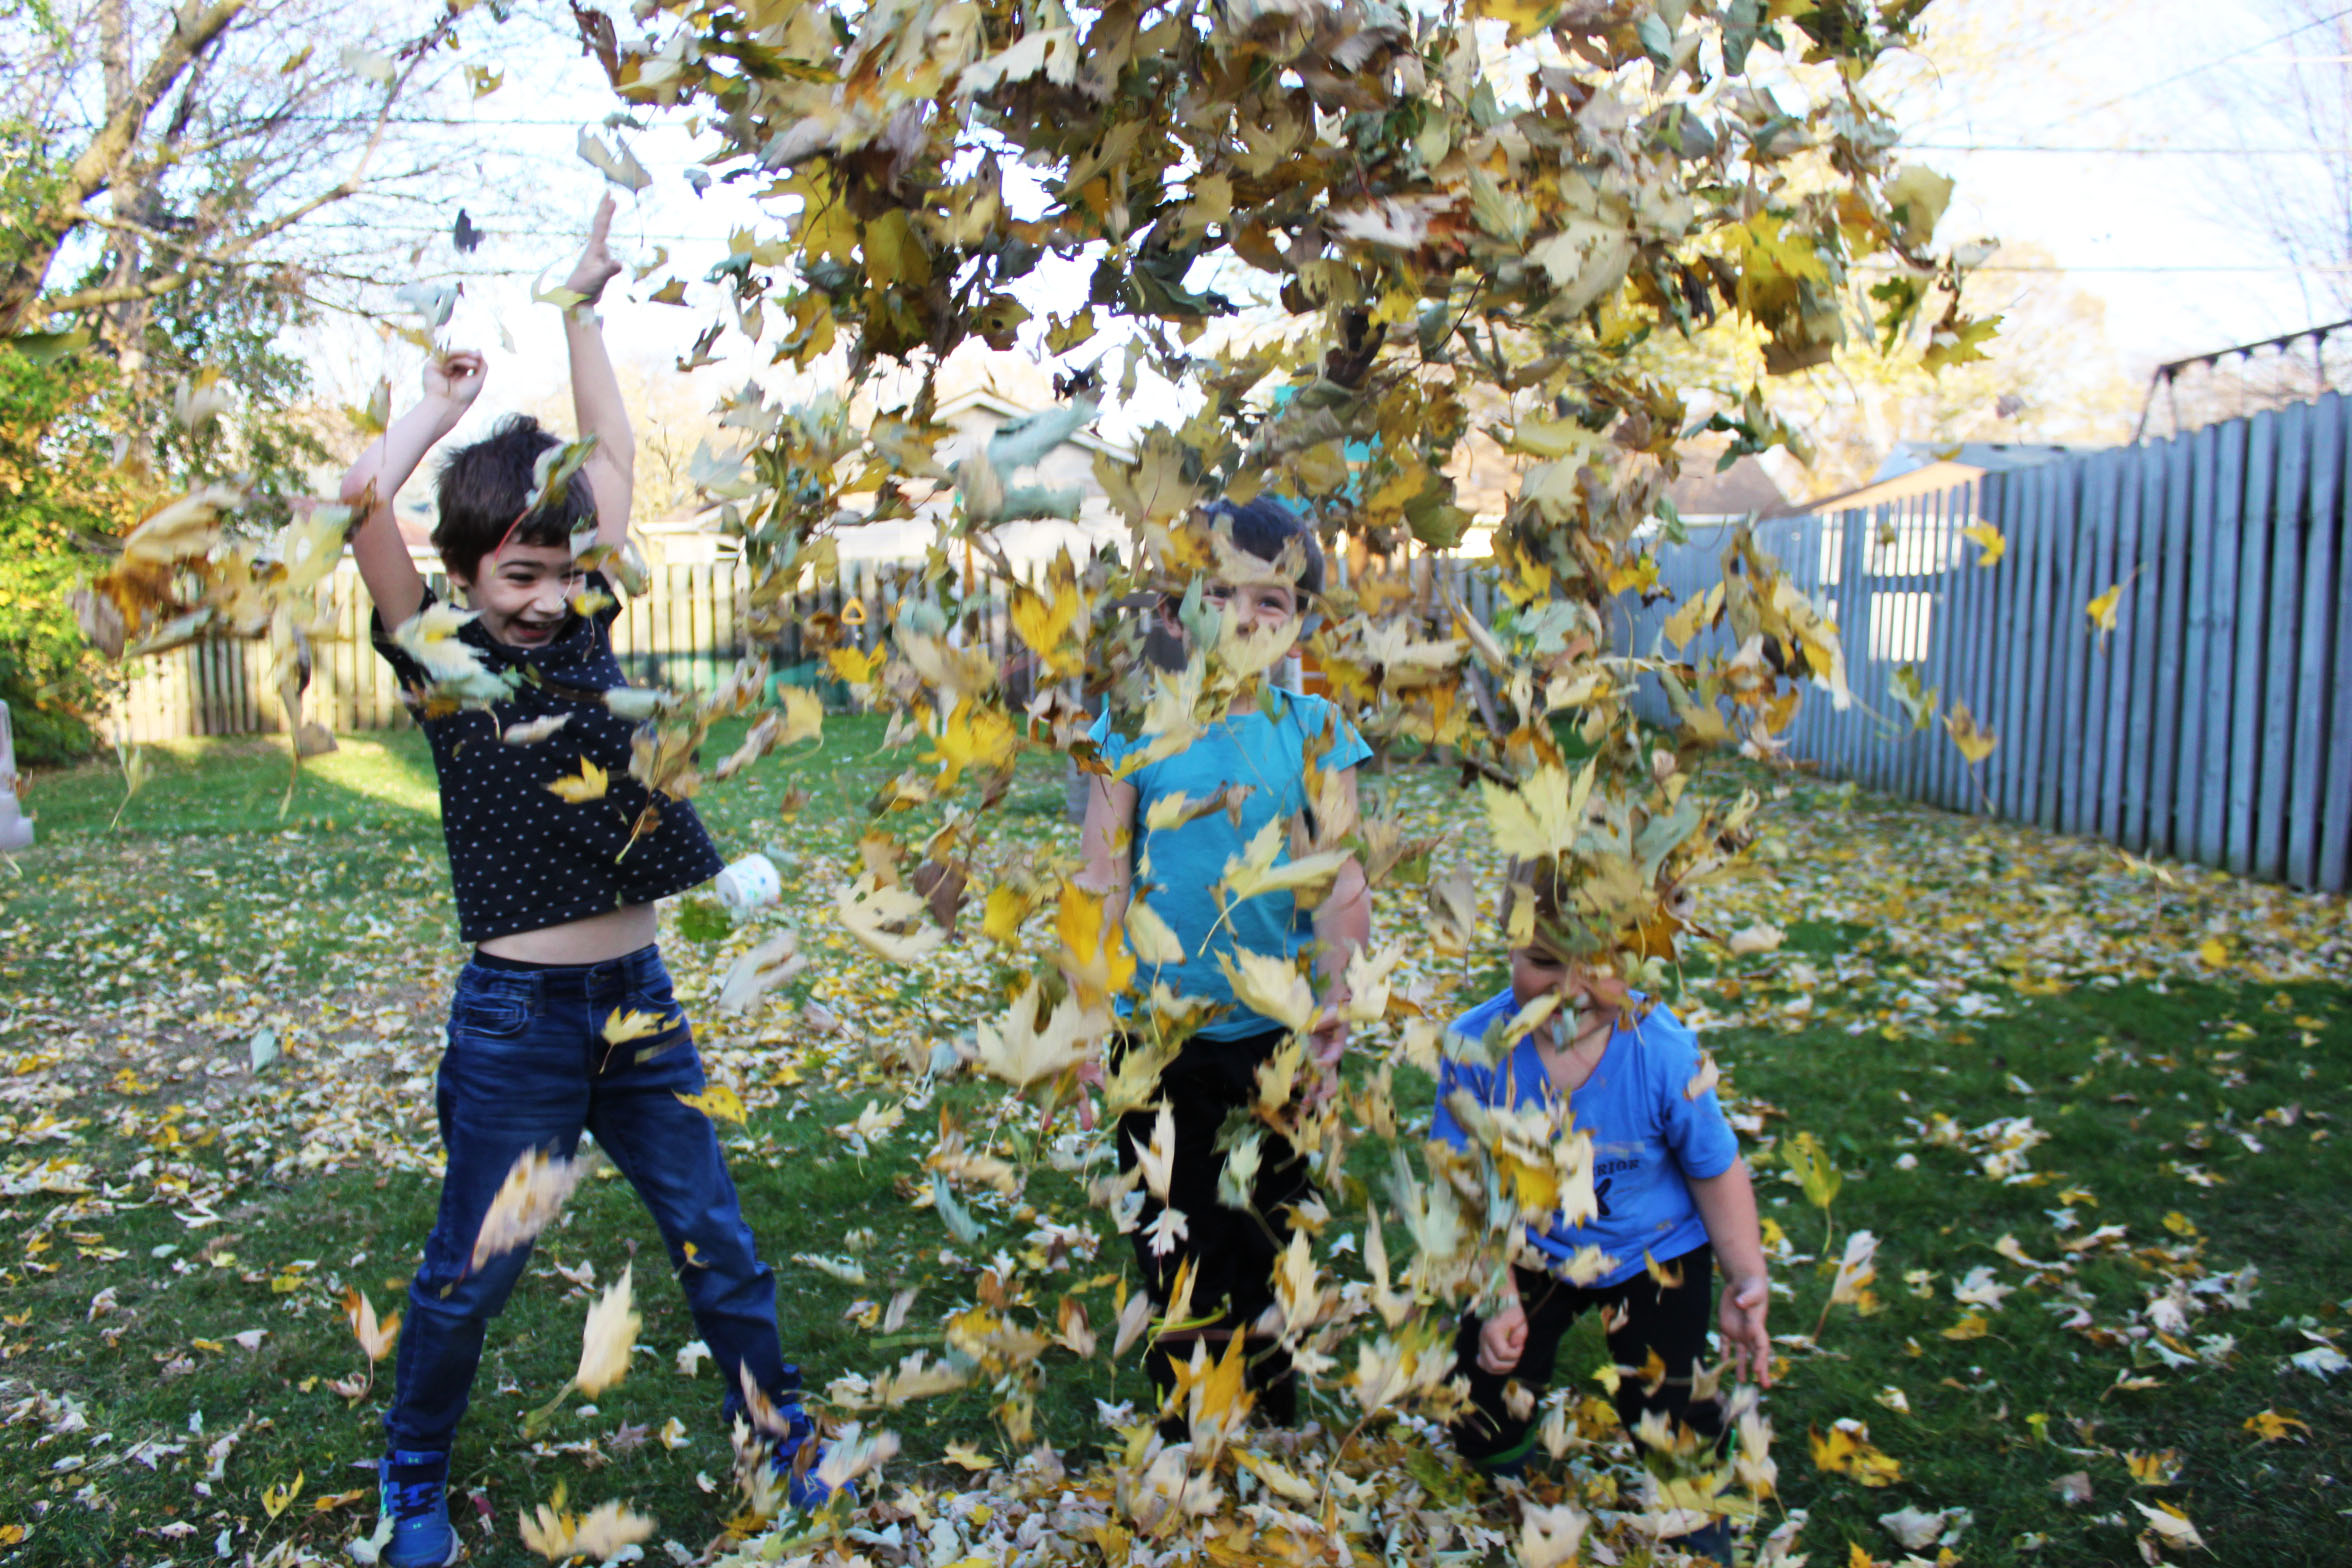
{"points": [[490, 1007]]}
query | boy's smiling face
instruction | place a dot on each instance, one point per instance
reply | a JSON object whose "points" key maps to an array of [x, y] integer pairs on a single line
{"points": [[1260, 607], [524, 592], [1537, 970]]}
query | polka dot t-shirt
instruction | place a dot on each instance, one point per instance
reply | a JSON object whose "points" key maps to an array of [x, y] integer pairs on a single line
{"points": [[521, 857]]}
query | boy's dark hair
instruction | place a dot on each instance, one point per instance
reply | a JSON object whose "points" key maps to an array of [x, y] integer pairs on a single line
{"points": [[1554, 931], [1265, 527], [483, 485]]}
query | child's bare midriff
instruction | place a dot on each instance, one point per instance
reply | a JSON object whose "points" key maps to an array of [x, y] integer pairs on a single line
{"points": [[589, 941]]}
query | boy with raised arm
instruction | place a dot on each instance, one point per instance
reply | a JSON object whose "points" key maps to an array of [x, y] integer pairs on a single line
{"points": [[555, 893]]}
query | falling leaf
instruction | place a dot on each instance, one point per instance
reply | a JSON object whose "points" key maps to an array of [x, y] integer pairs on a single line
{"points": [[532, 731], [774, 962], [559, 1536], [579, 788], [1975, 744], [965, 1456], [616, 163], [374, 1338], [1989, 542], [1020, 1050], [718, 1102], [369, 64], [635, 1024], [606, 1339], [528, 1200]]}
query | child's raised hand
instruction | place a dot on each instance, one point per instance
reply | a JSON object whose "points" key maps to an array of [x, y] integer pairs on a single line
{"points": [[1741, 1314], [596, 266], [455, 378], [1502, 1339]]}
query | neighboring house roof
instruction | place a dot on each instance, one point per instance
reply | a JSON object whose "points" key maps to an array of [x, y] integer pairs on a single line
{"points": [[1742, 489], [1916, 468], [1004, 408]]}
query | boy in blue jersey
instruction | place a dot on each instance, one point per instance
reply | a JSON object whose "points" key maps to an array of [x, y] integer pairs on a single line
{"points": [[1256, 764], [1672, 1194]]}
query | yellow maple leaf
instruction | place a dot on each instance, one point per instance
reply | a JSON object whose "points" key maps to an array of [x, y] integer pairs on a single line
{"points": [[967, 1456], [977, 735], [855, 665], [1046, 623], [1270, 986], [804, 716], [1093, 951], [1006, 908], [2272, 1425], [1847, 1450], [2213, 953], [606, 1338], [1543, 816], [559, 1536], [1975, 743], [1972, 1325], [1154, 941], [635, 1024], [1261, 867], [718, 1102], [275, 1500], [579, 788], [1020, 1050], [374, 1338], [2102, 611], [1989, 541]]}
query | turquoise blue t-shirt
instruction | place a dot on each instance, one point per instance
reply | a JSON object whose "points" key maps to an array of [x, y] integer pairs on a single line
{"points": [[1650, 1140], [1176, 869]]}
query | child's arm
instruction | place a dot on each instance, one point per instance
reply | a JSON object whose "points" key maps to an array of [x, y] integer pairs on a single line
{"points": [[1110, 827], [1727, 1205], [1343, 923], [596, 391], [393, 582]]}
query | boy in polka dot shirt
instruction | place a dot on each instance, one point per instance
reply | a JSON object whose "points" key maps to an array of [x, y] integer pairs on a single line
{"points": [[556, 896]]}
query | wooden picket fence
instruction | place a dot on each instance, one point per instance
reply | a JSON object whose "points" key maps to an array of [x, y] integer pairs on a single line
{"points": [[2213, 723], [686, 630]]}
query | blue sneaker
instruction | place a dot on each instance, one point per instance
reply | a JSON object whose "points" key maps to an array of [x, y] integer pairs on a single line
{"points": [[412, 1492], [802, 1488]]}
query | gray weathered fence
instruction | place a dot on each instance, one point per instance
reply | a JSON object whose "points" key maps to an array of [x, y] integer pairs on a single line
{"points": [[2212, 724]]}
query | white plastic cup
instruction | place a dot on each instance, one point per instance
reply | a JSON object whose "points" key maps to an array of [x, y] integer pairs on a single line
{"points": [[748, 884]]}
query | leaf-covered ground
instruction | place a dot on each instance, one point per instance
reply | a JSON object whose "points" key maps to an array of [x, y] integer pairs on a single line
{"points": [[2093, 1112]]}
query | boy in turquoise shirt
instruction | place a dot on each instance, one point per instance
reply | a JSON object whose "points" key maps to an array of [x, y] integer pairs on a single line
{"points": [[1259, 756]]}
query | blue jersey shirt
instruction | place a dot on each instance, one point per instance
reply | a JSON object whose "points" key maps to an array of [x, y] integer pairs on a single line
{"points": [[1176, 869], [1650, 1140]]}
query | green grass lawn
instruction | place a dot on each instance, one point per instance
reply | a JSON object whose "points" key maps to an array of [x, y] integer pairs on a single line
{"points": [[1942, 980]]}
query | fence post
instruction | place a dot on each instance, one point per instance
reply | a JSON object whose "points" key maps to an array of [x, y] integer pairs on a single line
{"points": [[2283, 534], [2252, 547], [2325, 647]]}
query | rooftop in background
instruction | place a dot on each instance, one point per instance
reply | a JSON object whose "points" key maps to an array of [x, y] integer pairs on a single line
{"points": [[1742, 490], [1918, 467]]}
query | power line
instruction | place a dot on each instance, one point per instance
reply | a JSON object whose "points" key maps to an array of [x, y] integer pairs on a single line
{"points": [[2198, 69], [2133, 152]]}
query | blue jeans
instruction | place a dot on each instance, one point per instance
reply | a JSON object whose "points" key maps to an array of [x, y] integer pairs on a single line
{"points": [[528, 1068]]}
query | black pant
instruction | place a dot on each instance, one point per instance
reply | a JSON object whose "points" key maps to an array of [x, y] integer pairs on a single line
{"points": [[1670, 1320], [1233, 1252]]}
